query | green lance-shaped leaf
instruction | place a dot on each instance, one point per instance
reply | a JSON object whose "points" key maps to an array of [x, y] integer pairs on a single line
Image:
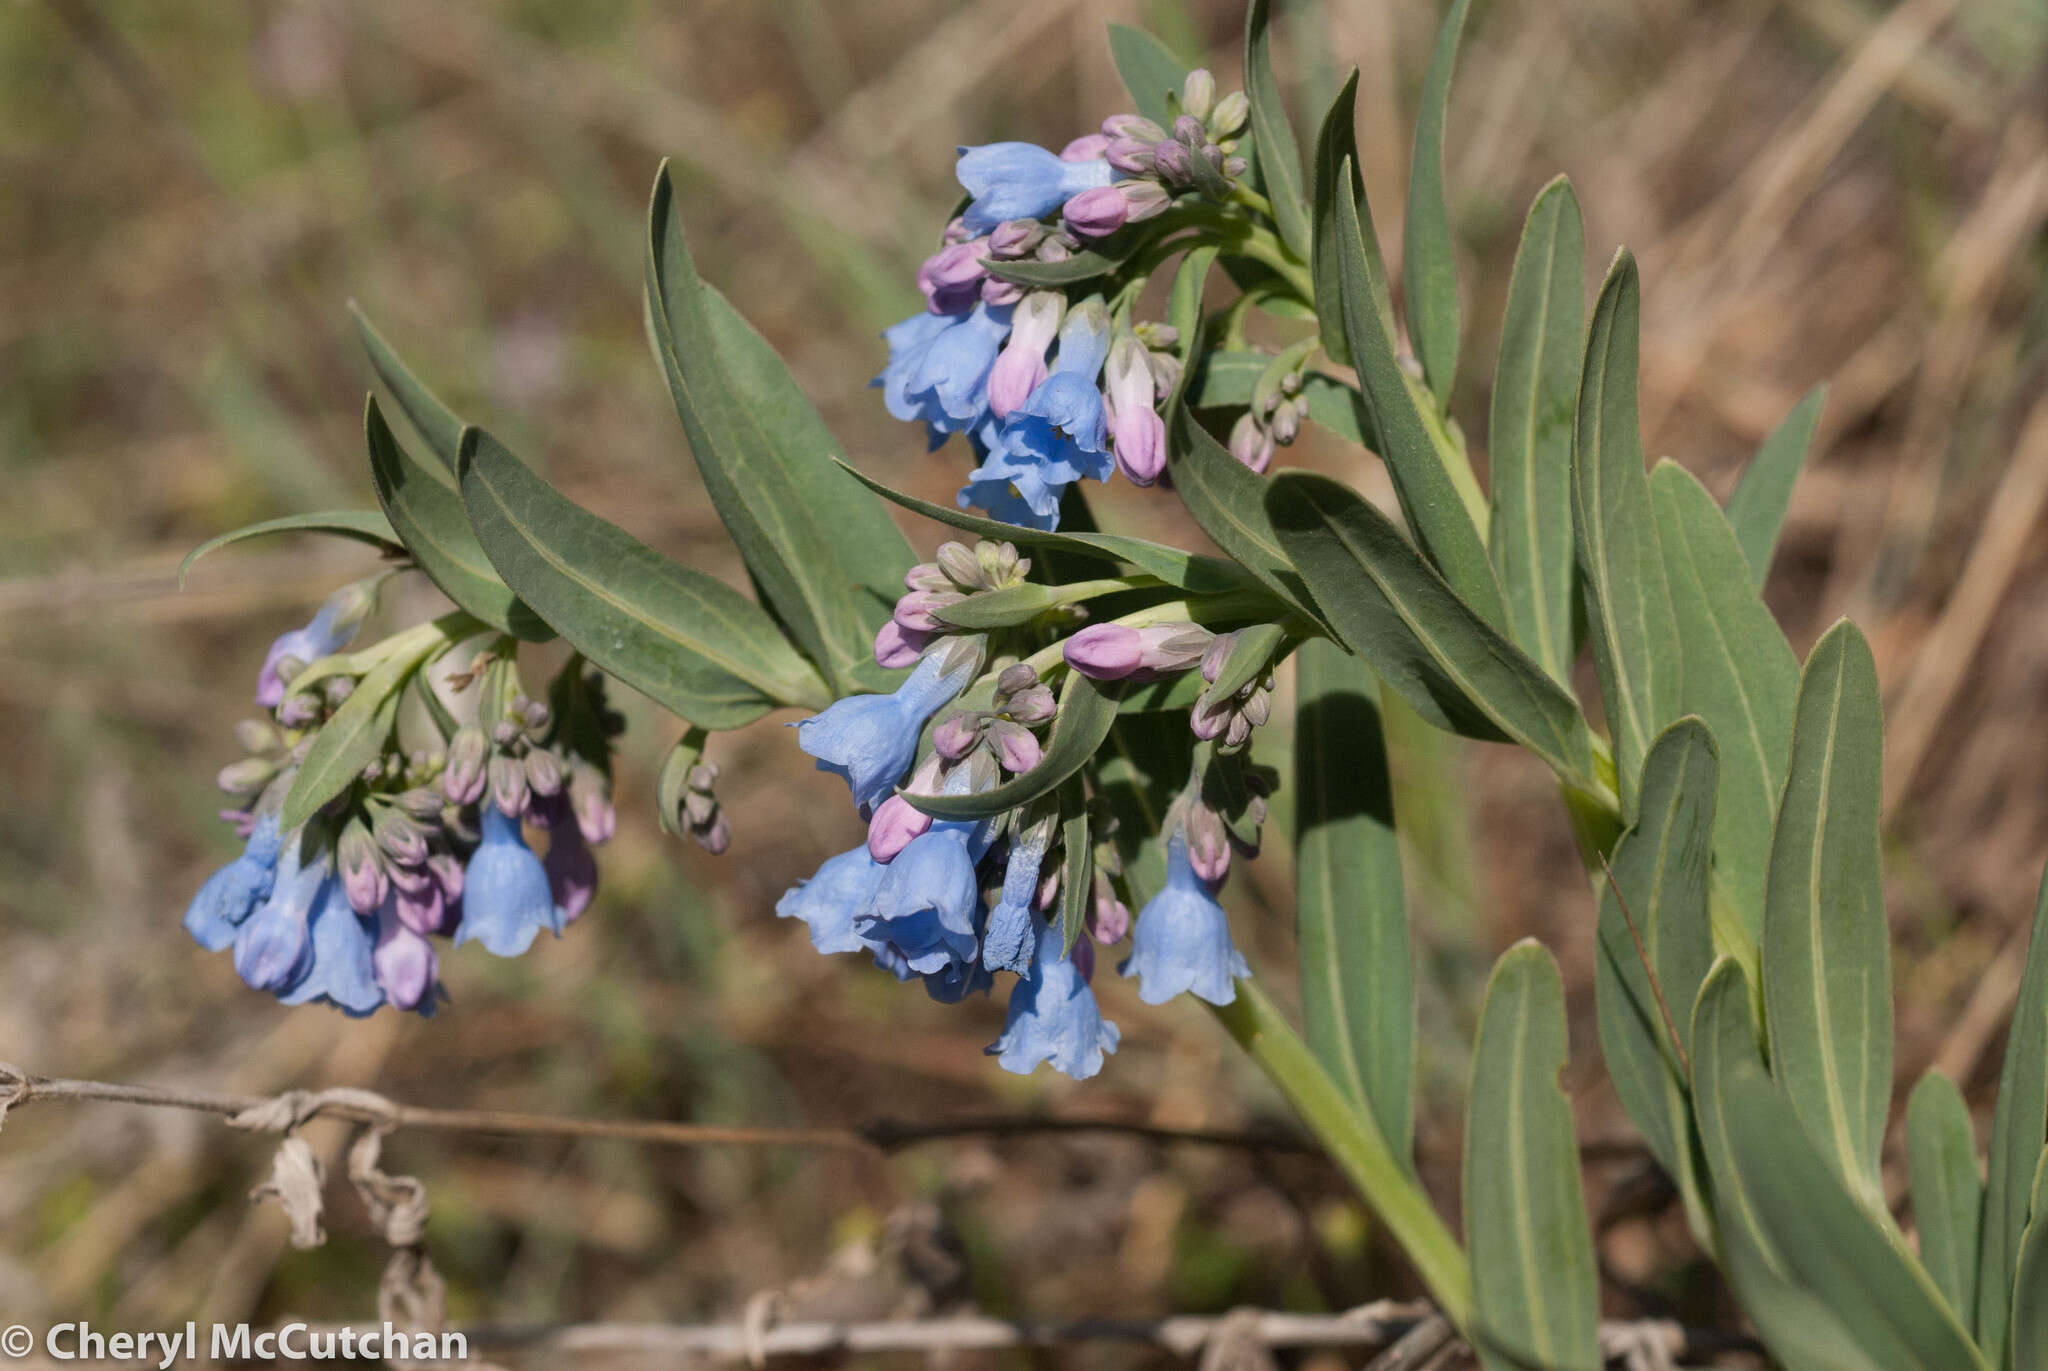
{"points": [[1948, 1190], [1441, 502], [1077, 869], [1394, 610], [1429, 266], [1806, 1259], [1150, 72], [1757, 506], [1337, 182], [1350, 915], [1087, 709], [364, 526], [1227, 499], [1272, 134], [1740, 676], [1085, 265], [437, 425], [1826, 1238], [1183, 570], [1826, 949], [2030, 1283], [1654, 921], [358, 732], [691, 643], [429, 516], [1536, 1290], [2019, 1126], [1628, 607], [827, 560], [1535, 393]]}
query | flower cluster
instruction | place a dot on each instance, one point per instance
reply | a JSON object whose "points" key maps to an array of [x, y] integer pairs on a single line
{"points": [[428, 839], [954, 901], [1050, 389]]}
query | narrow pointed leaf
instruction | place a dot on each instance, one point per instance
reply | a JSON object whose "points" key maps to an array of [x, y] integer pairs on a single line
{"points": [[1350, 915], [1628, 608], [1429, 267], [364, 526], [691, 643], [436, 424], [1077, 873], [1394, 610], [1336, 182], [1183, 570], [1535, 394], [1150, 71], [1948, 1189], [1757, 506], [1536, 1290], [1438, 510], [2030, 1283], [359, 731], [1826, 947], [2019, 1127], [1272, 134], [1227, 499], [827, 559], [1827, 1239], [1740, 676], [1661, 869], [1087, 710], [429, 517]]}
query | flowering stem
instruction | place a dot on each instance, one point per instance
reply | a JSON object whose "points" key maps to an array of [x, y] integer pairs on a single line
{"points": [[1354, 1141]]}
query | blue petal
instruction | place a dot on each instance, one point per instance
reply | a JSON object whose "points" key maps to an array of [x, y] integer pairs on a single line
{"points": [[1008, 944], [830, 900], [1021, 181], [1053, 1017], [272, 948], [1182, 939], [341, 973], [869, 741], [506, 901]]}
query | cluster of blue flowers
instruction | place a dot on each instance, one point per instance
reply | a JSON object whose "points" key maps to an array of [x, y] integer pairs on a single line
{"points": [[1047, 389], [344, 909], [953, 902]]}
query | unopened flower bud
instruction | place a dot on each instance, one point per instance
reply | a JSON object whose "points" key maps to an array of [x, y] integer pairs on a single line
{"points": [[247, 776], [1014, 239], [957, 560], [956, 735], [1096, 213], [462, 780], [1234, 167], [1208, 843], [590, 799], [1109, 918], [1032, 707], [1173, 161], [997, 293], [336, 690], [1188, 131], [298, 711], [1015, 677], [1016, 746], [916, 611], [543, 771], [896, 823], [1143, 199], [1087, 148], [1198, 93], [362, 874], [508, 784], [1132, 156], [398, 836], [951, 277], [897, 647], [1229, 116], [419, 803], [1132, 126], [1251, 443]]}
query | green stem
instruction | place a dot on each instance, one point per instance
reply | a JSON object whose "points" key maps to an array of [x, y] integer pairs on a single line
{"points": [[1355, 1143]]}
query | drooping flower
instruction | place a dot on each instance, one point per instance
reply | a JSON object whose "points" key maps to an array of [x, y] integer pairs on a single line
{"points": [[1021, 181], [1136, 431], [1053, 1016], [230, 893], [925, 905], [948, 381], [897, 646], [1008, 944], [272, 947], [907, 342], [331, 629], [871, 740], [1021, 368], [341, 973], [1024, 492], [506, 901], [404, 962], [1182, 939], [572, 872], [1062, 427], [832, 898]]}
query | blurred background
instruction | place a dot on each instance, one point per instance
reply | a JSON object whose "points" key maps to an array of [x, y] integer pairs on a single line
{"points": [[1817, 190]]}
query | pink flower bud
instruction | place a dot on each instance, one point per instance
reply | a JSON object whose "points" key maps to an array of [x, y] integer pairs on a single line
{"points": [[1086, 148], [1016, 746], [1132, 126], [916, 611], [1137, 433], [1110, 918], [897, 821], [951, 277], [1208, 843], [1096, 213], [997, 293], [956, 735], [896, 647], [1015, 238], [1131, 156], [1105, 652], [1251, 443], [1021, 367]]}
